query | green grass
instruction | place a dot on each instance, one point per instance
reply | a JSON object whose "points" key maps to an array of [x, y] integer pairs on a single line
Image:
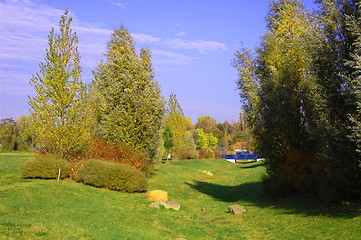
{"points": [[48, 209]]}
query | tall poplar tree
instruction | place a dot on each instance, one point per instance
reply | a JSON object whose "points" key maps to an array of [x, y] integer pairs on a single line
{"points": [[58, 111], [337, 73], [278, 89], [131, 106]]}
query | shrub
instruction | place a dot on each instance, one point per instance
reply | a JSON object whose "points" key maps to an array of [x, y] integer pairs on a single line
{"points": [[46, 167], [277, 188], [306, 184], [205, 153], [111, 175], [119, 153]]}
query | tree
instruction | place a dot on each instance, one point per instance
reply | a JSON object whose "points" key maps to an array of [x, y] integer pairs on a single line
{"points": [[278, 91], [354, 26], [131, 106], [168, 140], [337, 74], [184, 146], [24, 136], [58, 110], [202, 141], [7, 134]]}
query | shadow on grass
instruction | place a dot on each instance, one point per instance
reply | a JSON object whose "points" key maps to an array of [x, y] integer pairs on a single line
{"points": [[251, 192]]}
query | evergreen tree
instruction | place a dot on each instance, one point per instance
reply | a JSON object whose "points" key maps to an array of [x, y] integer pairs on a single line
{"points": [[131, 106], [58, 110]]}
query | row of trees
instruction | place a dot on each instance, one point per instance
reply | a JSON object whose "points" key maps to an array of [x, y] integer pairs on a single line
{"points": [[122, 105], [15, 135], [301, 94]]}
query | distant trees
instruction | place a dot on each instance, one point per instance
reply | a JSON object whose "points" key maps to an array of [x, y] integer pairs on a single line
{"points": [[7, 134], [130, 104], [58, 110], [296, 92]]}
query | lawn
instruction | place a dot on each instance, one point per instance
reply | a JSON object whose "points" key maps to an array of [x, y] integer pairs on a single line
{"points": [[50, 209]]}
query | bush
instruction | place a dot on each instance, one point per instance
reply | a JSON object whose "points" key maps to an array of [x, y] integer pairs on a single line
{"points": [[119, 153], [111, 175], [205, 153], [306, 184], [46, 167]]}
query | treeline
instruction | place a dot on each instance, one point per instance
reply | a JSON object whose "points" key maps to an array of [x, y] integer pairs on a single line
{"points": [[181, 138], [301, 94]]}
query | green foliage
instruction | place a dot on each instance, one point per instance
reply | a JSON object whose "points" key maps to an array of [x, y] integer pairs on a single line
{"points": [[168, 139], [353, 23], [24, 138], [114, 176], [278, 92], [58, 110], [7, 134], [46, 167], [180, 126], [131, 106], [202, 140], [206, 140], [337, 71]]}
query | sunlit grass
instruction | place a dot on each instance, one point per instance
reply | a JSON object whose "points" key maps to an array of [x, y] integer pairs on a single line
{"points": [[48, 209]]}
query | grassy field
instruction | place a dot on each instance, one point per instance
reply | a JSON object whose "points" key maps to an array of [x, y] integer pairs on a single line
{"points": [[48, 209]]}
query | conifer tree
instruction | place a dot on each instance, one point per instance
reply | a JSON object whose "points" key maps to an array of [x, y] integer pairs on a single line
{"points": [[58, 110], [131, 106]]}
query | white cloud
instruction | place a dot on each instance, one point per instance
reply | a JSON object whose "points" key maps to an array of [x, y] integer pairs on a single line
{"points": [[144, 38], [180, 34], [198, 45], [118, 3], [171, 58]]}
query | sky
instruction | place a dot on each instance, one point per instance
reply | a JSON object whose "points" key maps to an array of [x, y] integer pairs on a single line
{"points": [[192, 42]]}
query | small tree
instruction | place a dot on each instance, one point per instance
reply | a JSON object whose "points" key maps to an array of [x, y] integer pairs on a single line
{"points": [[58, 111], [168, 140], [184, 146]]}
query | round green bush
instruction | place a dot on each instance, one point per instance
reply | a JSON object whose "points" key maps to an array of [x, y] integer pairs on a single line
{"points": [[111, 175], [45, 167]]}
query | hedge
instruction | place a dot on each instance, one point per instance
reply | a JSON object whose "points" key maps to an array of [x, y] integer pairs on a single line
{"points": [[113, 176]]}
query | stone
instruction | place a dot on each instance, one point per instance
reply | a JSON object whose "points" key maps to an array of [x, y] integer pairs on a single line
{"points": [[157, 195], [206, 172], [236, 209], [166, 204]]}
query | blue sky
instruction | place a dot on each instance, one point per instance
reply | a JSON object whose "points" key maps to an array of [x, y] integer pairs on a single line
{"points": [[192, 41]]}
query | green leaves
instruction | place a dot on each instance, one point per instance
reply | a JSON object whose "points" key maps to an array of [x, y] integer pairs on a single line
{"points": [[59, 113], [131, 106]]}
